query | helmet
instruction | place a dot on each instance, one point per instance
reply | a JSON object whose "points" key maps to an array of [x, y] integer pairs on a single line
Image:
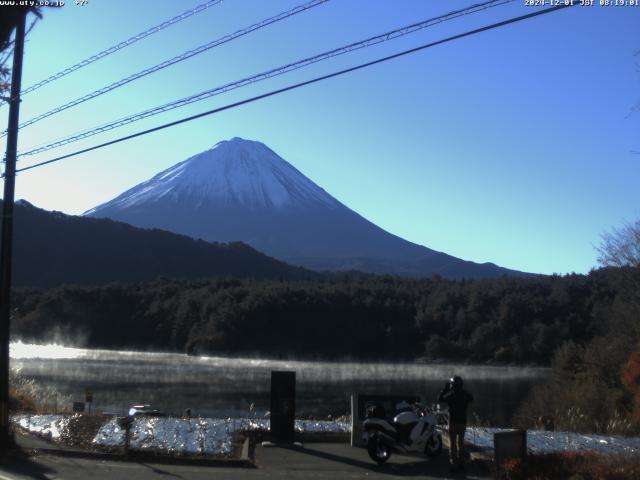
{"points": [[456, 382]]}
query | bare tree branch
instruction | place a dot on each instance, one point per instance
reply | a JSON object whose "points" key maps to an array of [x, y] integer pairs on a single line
{"points": [[621, 246]]}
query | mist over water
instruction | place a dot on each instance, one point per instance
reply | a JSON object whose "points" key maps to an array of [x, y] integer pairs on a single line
{"points": [[222, 386]]}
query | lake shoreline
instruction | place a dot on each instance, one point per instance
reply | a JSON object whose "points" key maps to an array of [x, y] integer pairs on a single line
{"points": [[20, 344], [231, 387]]}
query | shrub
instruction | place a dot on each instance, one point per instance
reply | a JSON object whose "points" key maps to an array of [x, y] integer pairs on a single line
{"points": [[631, 379], [572, 466], [26, 395], [585, 392]]}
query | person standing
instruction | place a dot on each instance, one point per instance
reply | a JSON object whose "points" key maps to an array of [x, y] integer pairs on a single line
{"points": [[458, 400]]}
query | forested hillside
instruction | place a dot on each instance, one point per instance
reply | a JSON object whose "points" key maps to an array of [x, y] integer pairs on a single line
{"points": [[506, 320], [51, 249]]}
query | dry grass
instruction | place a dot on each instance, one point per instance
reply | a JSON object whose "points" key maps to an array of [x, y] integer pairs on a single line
{"points": [[27, 396], [587, 408], [573, 466], [21, 401]]}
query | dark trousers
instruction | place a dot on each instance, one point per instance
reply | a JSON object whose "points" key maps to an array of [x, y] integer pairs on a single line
{"points": [[456, 442]]}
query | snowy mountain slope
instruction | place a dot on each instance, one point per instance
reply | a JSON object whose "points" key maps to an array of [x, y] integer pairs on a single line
{"points": [[232, 172], [242, 190]]}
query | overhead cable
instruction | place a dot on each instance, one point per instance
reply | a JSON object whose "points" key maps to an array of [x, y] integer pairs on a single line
{"points": [[174, 60], [266, 75], [123, 44], [298, 85]]}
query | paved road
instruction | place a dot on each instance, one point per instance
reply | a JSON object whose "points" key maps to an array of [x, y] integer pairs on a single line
{"points": [[314, 461]]}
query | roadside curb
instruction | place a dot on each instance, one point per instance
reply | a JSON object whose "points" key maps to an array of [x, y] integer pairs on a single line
{"points": [[244, 461], [323, 437]]}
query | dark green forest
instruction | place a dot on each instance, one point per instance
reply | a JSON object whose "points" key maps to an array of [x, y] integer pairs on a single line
{"points": [[505, 320], [584, 326]]}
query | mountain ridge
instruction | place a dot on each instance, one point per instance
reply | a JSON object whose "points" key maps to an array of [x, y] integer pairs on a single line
{"points": [[52, 249], [242, 190]]}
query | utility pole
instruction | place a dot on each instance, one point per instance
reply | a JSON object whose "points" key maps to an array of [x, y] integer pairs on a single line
{"points": [[7, 231]]}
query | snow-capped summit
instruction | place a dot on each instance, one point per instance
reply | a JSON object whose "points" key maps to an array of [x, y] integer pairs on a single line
{"points": [[235, 171], [242, 190]]}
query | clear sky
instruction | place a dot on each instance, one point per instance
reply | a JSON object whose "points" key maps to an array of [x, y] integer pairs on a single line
{"points": [[514, 146]]}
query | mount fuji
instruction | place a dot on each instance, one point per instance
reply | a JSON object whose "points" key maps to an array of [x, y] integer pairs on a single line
{"points": [[242, 190]]}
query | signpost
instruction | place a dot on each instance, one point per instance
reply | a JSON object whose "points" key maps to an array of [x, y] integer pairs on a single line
{"points": [[88, 397]]}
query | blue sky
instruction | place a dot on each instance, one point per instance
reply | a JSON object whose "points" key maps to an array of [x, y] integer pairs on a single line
{"points": [[513, 146]]}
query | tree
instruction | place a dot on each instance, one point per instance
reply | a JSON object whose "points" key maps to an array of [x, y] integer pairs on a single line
{"points": [[8, 21], [621, 246], [631, 379]]}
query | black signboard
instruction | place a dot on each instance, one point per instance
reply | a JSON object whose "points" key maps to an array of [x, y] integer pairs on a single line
{"points": [[509, 444], [283, 406]]}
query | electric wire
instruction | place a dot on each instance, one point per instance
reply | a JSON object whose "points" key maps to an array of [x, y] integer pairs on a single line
{"points": [[121, 45], [266, 75], [301, 84], [172, 61]]}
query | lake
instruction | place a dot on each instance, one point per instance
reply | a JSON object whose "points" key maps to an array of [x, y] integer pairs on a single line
{"points": [[228, 387]]}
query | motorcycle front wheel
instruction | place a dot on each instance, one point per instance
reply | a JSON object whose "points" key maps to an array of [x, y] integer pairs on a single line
{"points": [[434, 446], [378, 451]]}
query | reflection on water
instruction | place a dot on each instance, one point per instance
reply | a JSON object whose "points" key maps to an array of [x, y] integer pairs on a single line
{"points": [[219, 386]]}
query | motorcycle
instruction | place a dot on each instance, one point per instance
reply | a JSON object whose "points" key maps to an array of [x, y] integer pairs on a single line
{"points": [[411, 431]]}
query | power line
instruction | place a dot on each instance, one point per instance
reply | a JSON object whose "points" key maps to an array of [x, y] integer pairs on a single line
{"points": [[268, 74], [301, 84], [174, 60], [123, 44]]}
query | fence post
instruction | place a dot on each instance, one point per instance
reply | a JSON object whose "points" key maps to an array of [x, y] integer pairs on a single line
{"points": [[356, 424]]}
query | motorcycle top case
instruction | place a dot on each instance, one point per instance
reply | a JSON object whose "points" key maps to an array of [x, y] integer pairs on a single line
{"points": [[406, 418]]}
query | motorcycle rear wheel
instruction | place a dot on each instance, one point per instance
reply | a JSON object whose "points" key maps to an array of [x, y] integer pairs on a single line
{"points": [[378, 451]]}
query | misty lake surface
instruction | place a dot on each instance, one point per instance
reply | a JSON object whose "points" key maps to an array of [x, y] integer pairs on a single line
{"points": [[226, 387]]}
